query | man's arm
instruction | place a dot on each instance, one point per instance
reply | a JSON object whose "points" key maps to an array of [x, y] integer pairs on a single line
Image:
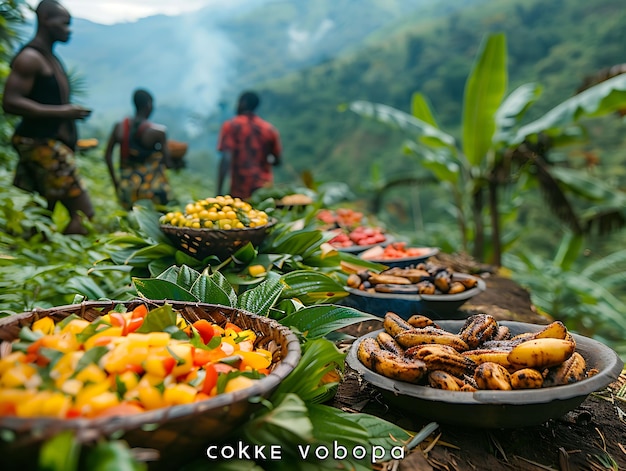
{"points": [[108, 155], [26, 66], [223, 170]]}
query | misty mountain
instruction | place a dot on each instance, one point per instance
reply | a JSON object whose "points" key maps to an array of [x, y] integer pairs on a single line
{"points": [[192, 62]]}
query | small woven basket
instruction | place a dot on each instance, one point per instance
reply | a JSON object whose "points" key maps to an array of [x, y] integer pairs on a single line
{"points": [[177, 432], [202, 243]]}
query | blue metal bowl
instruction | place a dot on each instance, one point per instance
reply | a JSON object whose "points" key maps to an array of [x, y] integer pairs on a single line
{"points": [[435, 306]]}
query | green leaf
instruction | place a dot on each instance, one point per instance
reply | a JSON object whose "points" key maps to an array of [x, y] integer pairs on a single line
{"points": [[421, 109], [223, 285], [187, 277], [151, 288], [297, 243], [148, 220], [569, 250], [92, 355], [402, 120], [112, 456], [316, 321], [513, 109], [311, 287], [171, 274], [484, 91], [602, 99], [158, 319], [286, 423], [319, 357], [261, 298], [60, 453]]}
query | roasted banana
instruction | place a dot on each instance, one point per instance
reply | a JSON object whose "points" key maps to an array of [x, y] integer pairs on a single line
{"points": [[442, 380], [392, 366], [493, 355], [492, 376], [456, 287], [429, 335], [394, 324], [541, 353], [477, 329], [526, 378], [387, 279], [570, 371], [387, 342], [503, 333], [418, 321], [441, 357], [366, 348], [554, 330]]}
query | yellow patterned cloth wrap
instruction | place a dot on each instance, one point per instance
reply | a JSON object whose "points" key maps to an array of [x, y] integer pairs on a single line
{"points": [[48, 167], [145, 180]]}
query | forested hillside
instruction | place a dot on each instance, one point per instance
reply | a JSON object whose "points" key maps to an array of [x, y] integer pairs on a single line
{"points": [[556, 44]]}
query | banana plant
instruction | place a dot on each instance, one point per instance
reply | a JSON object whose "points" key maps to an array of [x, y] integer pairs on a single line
{"points": [[496, 148], [583, 297]]}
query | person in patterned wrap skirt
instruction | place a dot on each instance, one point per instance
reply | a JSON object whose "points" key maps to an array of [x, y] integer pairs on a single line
{"points": [[144, 156]]}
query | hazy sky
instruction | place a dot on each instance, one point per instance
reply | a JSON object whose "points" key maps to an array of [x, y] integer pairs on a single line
{"points": [[116, 11]]}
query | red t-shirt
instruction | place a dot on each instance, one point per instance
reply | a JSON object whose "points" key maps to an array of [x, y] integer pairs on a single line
{"points": [[250, 140]]}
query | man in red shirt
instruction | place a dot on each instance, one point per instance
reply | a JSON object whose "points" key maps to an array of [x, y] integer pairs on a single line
{"points": [[250, 146]]}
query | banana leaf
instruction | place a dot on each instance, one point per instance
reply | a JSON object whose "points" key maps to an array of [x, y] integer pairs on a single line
{"points": [[602, 99], [484, 91], [513, 109], [311, 287], [317, 321], [262, 298]]}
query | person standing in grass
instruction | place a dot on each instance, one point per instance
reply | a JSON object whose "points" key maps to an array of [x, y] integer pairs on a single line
{"points": [[249, 147], [38, 90], [144, 156]]}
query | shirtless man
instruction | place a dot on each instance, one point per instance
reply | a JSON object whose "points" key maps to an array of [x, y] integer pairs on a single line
{"points": [[38, 90]]}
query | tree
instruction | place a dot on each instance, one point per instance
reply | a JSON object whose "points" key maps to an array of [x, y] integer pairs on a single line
{"points": [[496, 149]]}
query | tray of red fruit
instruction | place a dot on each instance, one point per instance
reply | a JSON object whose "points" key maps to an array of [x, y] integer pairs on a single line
{"points": [[358, 239], [397, 254]]}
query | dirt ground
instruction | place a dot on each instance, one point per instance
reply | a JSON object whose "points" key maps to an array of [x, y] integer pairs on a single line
{"points": [[590, 437]]}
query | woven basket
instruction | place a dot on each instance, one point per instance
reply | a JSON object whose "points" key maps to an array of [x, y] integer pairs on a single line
{"points": [[201, 243], [181, 431]]}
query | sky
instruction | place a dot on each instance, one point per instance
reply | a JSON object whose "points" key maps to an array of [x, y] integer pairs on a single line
{"points": [[119, 11]]}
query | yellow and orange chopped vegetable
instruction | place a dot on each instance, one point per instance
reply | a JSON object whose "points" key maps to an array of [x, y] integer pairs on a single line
{"points": [[124, 363]]}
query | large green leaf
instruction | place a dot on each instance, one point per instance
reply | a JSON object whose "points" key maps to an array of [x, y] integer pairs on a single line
{"points": [[604, 98], [60, 453], [513, 109], [586, 185], [262, 298], [311, 287], [319, 357], [421, 109], [568, 251], [400, 119], [148, 220], [440, 161], [317, 321], [214, 290], [285, 424], [297, 242], [484, 91], [152, 288], [112, 455]]}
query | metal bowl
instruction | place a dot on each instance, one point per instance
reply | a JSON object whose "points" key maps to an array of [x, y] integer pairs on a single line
{"points": [[405, 261], [436, 306], [495, 409]]}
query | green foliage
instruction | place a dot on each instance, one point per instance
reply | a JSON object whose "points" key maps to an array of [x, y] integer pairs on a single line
{"points": [[585, 298]]}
